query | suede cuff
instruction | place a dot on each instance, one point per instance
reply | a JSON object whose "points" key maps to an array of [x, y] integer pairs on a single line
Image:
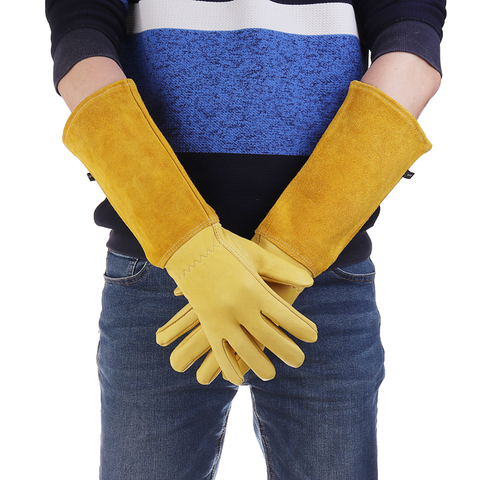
{"points": [[365, 151], [112, 133]]}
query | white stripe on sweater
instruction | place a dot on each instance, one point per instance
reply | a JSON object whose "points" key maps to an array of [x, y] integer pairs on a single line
{"points": [[311, 19]]}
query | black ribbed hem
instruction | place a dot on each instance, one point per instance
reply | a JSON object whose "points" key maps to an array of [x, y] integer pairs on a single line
{"points": [[411, 36], [77, 45]]}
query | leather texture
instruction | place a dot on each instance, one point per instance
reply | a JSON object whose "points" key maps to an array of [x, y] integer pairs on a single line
{"points": [[196, 344], [223, 277], [369, 145], [112, 133]]}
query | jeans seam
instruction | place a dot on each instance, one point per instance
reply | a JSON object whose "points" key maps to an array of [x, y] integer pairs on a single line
{"points": [[219, 447], [131, 267], [353, 277], [266, 446], [129, 281]]}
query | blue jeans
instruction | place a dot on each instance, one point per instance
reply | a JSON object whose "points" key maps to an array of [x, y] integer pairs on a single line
{"points": [[317, 422]]}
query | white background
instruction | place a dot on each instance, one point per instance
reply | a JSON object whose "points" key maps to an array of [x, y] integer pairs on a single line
{"points": [[425, 248]]}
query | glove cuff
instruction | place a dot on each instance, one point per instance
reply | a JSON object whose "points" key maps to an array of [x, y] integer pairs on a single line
{"points": [[365, 151], [112, 133]]}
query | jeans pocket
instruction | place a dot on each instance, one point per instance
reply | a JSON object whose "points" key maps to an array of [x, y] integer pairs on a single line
{"points": [[362, 272], [122, 269]]}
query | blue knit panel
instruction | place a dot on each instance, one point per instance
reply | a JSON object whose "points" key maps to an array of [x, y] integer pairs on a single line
{"points": [[245, 91]]}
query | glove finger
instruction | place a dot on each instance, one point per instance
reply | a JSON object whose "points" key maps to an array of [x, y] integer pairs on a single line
{"points": [[273, 268], [244, 368], [289, 293], [181, 323], [252, 355], [285, 316], [279, 343], [227, 361], [189, 350], [209, 369], [178, 292]]}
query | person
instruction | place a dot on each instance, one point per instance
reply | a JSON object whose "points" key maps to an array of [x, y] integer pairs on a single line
{"points": [[244, 148]]}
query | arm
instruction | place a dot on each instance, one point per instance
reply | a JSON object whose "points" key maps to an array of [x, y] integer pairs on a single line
{"points": [[404, 40], [360, 173], [81, 30], [111, 132], [408, 79], [86, 37], [405, 77], [373, 139], [86, 77]]}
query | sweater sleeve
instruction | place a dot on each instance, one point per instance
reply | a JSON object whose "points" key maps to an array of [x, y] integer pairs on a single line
{"points": [[84, 28], [403, 26]]}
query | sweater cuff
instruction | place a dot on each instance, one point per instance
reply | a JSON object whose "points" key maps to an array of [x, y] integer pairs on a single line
{"points": [[77, 45], [410, 36]]}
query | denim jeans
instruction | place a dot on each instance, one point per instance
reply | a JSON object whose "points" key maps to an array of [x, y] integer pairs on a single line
{"points": [[317, 422]]}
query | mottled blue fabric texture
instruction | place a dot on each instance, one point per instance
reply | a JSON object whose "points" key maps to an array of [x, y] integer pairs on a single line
{"points": [[253, 91]]}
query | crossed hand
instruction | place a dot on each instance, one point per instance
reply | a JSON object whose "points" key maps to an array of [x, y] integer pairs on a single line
{"points": [[240, 298]]}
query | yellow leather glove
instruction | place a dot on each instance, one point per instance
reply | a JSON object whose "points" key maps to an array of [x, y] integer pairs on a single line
{"points": [[196, 344], [112, 133], [365, 151], [222, 275]]}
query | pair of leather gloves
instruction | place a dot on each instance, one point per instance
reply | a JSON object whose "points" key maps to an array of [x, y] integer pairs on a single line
{"points": [[240, 291]]}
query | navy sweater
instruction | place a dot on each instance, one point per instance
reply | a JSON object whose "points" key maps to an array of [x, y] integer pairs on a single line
{"points": [[241, 89]]}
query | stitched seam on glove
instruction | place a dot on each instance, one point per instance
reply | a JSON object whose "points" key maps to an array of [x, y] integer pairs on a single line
{"points": [[184, 239], [249, 266], [198, 262]]}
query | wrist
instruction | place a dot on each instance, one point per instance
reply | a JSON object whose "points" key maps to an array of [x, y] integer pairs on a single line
{"points": [[406, 78], [87, 77]]}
